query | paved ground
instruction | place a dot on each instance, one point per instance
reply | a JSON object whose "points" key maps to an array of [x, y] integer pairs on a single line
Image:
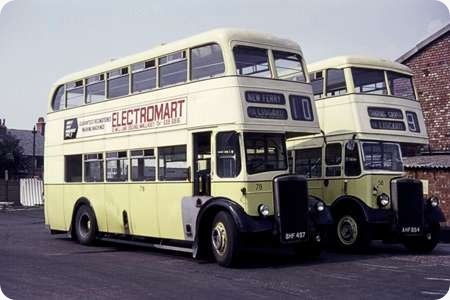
{"points": [[36, 265]]}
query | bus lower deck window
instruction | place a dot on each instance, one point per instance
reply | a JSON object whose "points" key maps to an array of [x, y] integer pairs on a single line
{"points": [[93, 167], [172, 164], [116, 166], [143, 165], [73, 165]]}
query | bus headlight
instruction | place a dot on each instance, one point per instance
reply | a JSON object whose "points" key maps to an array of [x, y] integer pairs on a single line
{"points": [[263, 210], [383, 200], [320, 206], [434, 201]]}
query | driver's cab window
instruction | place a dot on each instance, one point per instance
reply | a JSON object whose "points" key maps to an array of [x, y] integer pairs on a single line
{"points": [[308, 162], [333, 159], [228, 154], [352, 164]]}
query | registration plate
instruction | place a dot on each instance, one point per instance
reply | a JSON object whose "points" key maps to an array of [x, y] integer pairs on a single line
{"points": [[410, 229], [294, 235]]}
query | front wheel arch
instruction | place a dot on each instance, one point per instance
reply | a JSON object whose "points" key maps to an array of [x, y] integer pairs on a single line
{"points": [[205, 219], [81, 201]]}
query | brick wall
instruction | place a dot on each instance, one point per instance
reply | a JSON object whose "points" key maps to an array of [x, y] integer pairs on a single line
{"points": [[431, 67], [438, 185]]}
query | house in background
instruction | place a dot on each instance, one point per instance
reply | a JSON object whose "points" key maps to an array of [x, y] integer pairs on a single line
{"points": [[32, 144], [430, 62]]}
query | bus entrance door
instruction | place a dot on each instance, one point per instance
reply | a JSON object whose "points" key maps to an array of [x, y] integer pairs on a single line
{"points": [[202, 163]]}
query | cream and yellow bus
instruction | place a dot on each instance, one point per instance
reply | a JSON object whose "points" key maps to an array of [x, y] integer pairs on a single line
{"points": [[184, 146], [368, 110]]}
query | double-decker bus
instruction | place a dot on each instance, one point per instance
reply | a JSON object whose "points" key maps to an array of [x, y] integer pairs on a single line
{"points": [[367, 109], [184, 146]]}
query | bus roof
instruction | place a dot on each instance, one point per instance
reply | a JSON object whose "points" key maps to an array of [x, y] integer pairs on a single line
{"points": [[358, 61], [222, 36]]}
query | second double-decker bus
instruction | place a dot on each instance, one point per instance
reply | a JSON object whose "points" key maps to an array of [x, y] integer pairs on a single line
{"points": [[184, 146], [368, 110]]}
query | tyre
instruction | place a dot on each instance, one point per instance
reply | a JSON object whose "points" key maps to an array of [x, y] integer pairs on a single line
{"points": [[424, 244], [352, 232], [85, 225], [224, 239]]}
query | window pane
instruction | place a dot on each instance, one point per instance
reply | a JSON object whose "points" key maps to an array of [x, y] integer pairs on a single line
{"points": [[289, 66], [173, 73], [336, 82], [75, 97], [301, 109], [117, 166], [308, 162], [265, 152], [206, 61], [58, 99], [333, 154], [352, 164], [401, 85], [144, 80], [93, 168], [382, 156], [172, 163], [95, 92], [251, 61], [333, 157], [118, 86], [73, 168], [369, 81], [143, 165], [228, 154], [317, 86]]}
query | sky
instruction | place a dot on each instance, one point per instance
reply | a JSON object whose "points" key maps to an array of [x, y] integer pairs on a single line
{"points": [[43, 40]]}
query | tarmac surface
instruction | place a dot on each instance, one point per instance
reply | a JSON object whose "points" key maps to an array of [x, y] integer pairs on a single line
{"points": [[37, 265]]}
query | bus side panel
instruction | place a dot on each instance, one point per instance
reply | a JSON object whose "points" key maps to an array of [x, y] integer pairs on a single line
{"points": [[73, 192], [315, 188], [143, 209], [169, 208], [95, 193], [116, 201], [54, 206], [256, 193]]}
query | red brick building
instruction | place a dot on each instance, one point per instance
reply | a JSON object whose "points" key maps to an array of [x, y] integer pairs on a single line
{"points": [[430, 62]]}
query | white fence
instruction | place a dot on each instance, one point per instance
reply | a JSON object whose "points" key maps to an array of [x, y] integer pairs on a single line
{"points": [[31, 190]]}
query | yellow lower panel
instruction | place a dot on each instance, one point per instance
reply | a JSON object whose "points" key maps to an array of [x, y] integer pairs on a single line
{"points": [[169, 208], [54, 207]]}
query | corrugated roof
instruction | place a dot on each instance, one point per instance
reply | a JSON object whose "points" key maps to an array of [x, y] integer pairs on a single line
{"points": [[441, 161], [25, 138], [424, 43]]}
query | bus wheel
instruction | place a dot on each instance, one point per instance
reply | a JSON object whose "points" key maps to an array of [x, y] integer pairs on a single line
{"points": [[85, 225], [352, 232], [424, 244], [224, 239]]}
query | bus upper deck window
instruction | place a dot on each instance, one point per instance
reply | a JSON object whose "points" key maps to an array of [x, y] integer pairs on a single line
{"points": [[75, 93], [289, 66], [336, 82], [401, 85], [206, 61], [251, 61], [172, 68], [95, 88], [118, 83], [369, 81], [59, 99], [317, 84], [143, 76]]}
